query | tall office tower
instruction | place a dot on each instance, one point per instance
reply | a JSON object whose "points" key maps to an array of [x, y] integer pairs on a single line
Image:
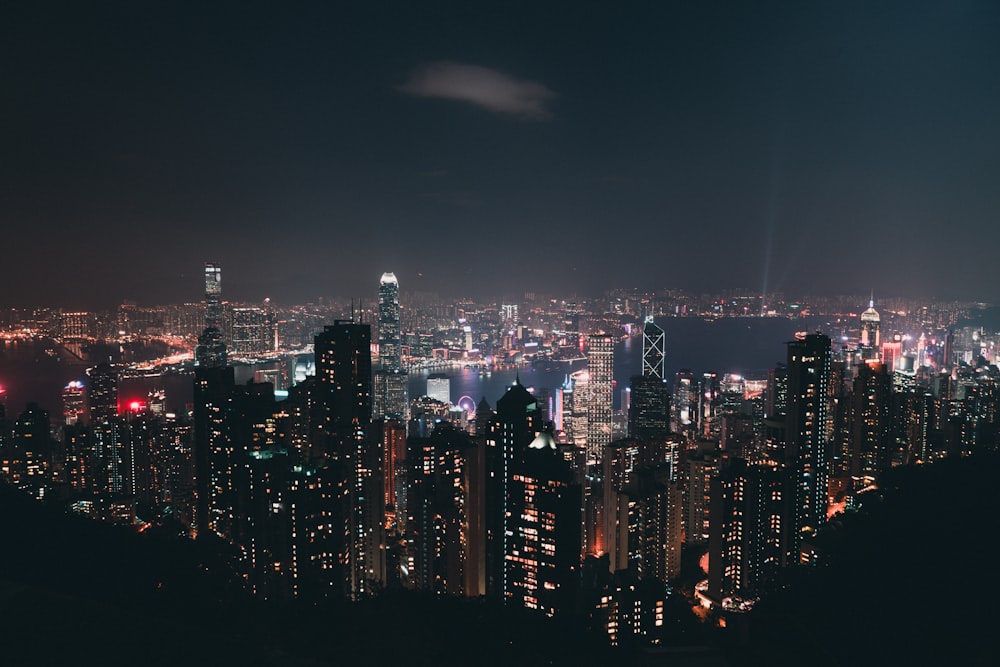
{"points": [[73, 400], [389, 351], [344, 391], [649, 412], [870, 424], [517, 420], [108, 437], [709, 406], [213, 386], [601, 369], [871, 338], [102, 393], [748, 532], [391, 390], [653, 349], [575, 401], [542, 558], [806, 432], [213, 296], [684, 407], [948, 352], [437, 518], [252, 331]]}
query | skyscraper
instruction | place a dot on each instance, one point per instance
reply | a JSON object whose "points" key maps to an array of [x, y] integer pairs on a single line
{"points": [[213, 296], [649, 410], [871, 338], [806, 444], [390, 357], [518, 418], [748, 529], [344, 389], [213, 385], [600, 393], [542, 557], [653, 349], [391, 388]]}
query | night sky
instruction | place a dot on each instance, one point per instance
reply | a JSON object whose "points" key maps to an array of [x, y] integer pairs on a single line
{"points": [[491, 148]]}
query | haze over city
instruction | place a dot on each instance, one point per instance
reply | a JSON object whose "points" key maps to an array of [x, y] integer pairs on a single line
{"points": [[822, 147], [584, 334]]}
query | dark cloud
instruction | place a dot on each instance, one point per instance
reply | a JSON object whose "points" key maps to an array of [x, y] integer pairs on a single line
{"points": [[481, 86]]}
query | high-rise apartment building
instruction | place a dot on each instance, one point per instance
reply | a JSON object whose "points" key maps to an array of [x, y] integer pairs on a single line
{"points": [[806, 447], [542, 556], [344, 397], [517, 420]]}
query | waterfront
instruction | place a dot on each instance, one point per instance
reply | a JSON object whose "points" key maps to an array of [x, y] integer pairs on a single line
{"points": [[749, 346]]}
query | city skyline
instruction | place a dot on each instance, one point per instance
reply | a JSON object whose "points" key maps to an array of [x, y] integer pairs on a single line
{"points": [[307, 148]]}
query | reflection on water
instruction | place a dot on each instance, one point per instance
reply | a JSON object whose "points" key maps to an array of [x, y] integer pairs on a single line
{"points": [[749, 346]]}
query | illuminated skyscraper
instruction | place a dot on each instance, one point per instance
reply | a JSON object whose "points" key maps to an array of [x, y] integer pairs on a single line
{"points": [[871, 422], [213, 386], [253, 331], [391, 388], [600, 393], [748, 534], [518, 419], [438, 511], [102, 393], [542, 557], [684, 407], [344, 389], [390, 357], [653, 349], [871, 338], [73, 398], [213, 296], [806, 443]]}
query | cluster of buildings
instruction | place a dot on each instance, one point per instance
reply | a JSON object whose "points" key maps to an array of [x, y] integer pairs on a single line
{"points": [[340, 485]]}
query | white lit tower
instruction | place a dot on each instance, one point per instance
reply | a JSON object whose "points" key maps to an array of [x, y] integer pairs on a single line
{"points": [[391, 394], [871, 338], [653, 349]]}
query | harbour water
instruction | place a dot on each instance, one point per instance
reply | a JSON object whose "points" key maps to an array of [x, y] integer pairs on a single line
{"points": [[749, 346], [34, 370]]}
